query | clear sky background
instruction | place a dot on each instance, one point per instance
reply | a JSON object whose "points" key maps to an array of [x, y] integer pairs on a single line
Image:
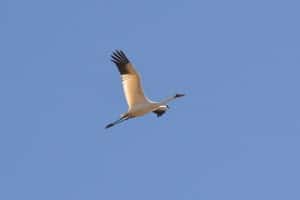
{"points": [[234, 136]]}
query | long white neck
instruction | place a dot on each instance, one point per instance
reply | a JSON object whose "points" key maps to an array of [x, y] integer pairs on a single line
{"points": [[165, 101]]}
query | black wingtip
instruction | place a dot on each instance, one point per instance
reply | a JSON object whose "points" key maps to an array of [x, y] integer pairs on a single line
{"points": [[120, 59], [159, 113]]}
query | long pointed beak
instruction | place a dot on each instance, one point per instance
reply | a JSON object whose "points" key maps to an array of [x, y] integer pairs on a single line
{"points": [[179, 95]]}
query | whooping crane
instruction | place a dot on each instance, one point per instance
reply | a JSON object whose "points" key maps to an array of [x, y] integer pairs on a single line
{"points": [[138, 103]]}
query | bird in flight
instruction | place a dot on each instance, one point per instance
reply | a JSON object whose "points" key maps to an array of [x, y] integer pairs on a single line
{"points": [[138, 103]]}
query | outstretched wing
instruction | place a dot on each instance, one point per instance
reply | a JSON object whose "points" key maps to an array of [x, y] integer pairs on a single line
{"points": [[130, 79]]}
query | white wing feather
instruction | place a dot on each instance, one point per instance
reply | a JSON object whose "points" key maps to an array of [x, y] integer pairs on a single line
{"points": [[133, 90], [132, 87]]}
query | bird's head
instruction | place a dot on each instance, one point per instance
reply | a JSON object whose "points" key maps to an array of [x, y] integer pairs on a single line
{"points": [[179, 95]]}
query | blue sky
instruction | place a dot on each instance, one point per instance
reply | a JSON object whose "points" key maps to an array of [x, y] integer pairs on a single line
{"points": [[234, 136]]}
